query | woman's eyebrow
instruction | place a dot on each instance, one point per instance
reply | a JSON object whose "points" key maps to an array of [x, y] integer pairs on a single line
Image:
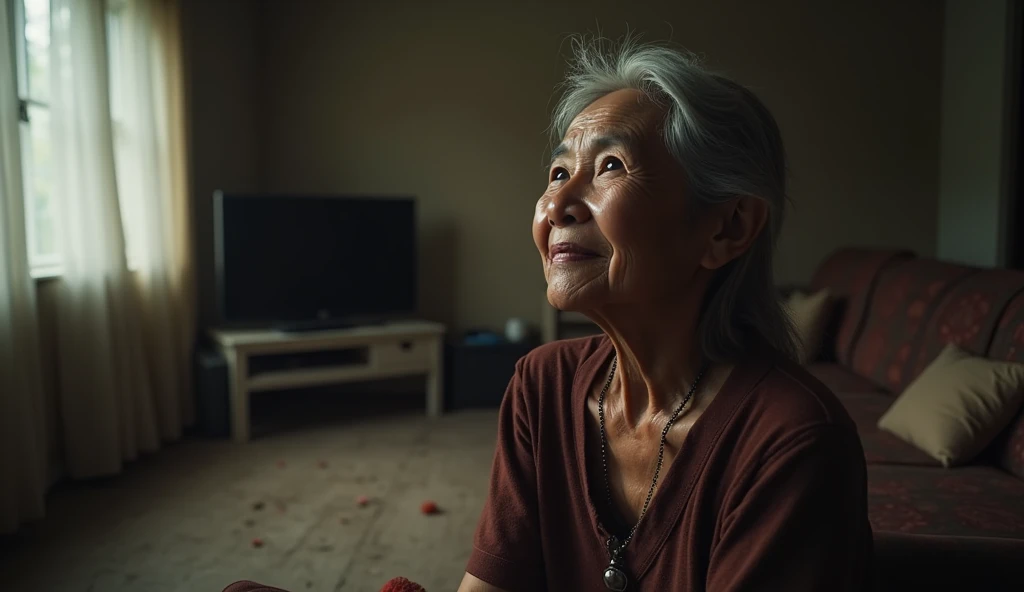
{"points": [[600, 142]]}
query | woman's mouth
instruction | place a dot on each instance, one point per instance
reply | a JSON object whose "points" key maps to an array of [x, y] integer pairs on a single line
{"points": [[569, 252]]}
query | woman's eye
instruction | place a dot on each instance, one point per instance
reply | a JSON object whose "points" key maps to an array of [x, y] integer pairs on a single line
{"points": [[612, 164], [559, 174]]}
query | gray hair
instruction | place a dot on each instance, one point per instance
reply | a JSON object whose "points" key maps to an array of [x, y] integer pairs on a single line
{"points": [[729, 146]]}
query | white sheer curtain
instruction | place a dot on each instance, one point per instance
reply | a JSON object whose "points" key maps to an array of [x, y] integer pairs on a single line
{"points": [[149, 147], [123, 335], [22, 443]]}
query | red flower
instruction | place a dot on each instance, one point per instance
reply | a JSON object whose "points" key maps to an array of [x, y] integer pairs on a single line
{"points": [[402, 585]]}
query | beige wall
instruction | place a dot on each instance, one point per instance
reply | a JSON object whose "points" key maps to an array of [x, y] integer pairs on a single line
{"points": [[222, 64], [449, 101], [978, 72]]}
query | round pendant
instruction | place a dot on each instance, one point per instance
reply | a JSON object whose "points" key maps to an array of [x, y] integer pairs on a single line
{"points": [[615, 579]]}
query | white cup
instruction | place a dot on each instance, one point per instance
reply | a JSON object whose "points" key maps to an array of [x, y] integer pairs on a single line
{"points": [[515, 330]]}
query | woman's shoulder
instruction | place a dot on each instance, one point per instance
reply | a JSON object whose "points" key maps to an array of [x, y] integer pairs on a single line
{"points": [[562, 357], [546, 378], [775, 411], [787, 400], [790, 380]]}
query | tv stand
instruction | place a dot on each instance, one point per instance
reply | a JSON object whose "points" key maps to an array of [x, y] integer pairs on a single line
{"points": [[318, 325], [272, 359]]}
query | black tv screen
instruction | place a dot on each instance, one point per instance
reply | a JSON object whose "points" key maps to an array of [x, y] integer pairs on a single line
{"points": [[291, 259]]}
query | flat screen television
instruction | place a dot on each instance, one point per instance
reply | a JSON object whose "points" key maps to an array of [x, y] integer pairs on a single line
{"points": [[300, 262]]}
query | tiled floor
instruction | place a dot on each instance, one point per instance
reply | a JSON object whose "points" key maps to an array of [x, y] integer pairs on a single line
{"points": [[186, 519]]}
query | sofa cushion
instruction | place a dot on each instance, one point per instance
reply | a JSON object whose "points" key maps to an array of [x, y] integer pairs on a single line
{"points": [[850, 275], [840, 379], [965, 501], [905, 297], [968, 315], [810, 314], [881, 447], [957, 406], [865, 409], [1008, 344]]}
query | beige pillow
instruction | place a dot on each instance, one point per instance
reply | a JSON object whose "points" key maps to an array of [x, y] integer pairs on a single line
{"points": [[810, 314], [957, 406]]}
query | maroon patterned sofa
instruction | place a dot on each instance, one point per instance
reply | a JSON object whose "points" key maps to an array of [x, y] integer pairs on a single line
{"points": [[895, 314]]}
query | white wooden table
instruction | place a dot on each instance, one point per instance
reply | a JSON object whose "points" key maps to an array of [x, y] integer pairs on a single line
{"points": [[363, 353]]}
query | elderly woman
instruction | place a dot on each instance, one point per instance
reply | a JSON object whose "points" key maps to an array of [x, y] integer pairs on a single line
{"points": [[682, 449]]}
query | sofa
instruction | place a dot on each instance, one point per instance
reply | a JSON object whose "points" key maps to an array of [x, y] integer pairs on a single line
{"points": [[894, 312]]}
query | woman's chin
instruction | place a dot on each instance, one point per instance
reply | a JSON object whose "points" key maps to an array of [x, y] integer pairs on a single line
{"points": [[569, 300], [576, 290]]}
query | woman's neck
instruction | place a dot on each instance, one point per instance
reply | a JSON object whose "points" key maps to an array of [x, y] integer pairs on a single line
{"points": [[658, 359]]}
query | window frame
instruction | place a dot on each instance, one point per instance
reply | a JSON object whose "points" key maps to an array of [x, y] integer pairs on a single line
{"points": [[41, 266]]}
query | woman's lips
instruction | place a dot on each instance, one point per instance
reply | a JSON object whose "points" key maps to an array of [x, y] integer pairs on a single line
{"points": [[569, 252]]}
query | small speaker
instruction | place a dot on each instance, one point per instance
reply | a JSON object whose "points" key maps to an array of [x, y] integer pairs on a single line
{"points": [[478, 375], [212, 408]]}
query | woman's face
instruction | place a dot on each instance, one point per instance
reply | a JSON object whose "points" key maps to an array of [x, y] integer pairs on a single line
{"points": [[613, 227]]}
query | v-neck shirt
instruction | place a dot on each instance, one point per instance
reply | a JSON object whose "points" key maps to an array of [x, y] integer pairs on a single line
{"points": [[768, 490]]}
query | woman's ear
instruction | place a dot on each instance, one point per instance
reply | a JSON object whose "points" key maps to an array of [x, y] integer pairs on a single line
{"points": [[740, 222]]}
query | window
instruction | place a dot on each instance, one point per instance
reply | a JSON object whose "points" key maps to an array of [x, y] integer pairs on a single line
{"points": [[32, 51], [32, 54]]}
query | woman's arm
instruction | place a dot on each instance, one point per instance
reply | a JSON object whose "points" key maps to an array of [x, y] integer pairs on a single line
{"points": [[506, 547], [471, 583], [801, 523]]}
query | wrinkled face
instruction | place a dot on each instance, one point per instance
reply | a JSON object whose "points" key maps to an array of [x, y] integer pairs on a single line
{"points": [[613, 227]]}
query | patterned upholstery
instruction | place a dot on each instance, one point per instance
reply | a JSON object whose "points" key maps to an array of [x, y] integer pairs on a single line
{"points": [[1008, 341], [968, 315], [1008, 344], [967, 501], [1010, 447], [900, 313], [849, 274], [903, 300], [840, 379], [881, 447]]}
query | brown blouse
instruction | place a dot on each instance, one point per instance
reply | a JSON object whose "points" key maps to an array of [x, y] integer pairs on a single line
{"points": [[767, 493]]}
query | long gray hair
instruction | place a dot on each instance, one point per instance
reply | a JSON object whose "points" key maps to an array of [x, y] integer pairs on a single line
{"points": [[729, 146]]}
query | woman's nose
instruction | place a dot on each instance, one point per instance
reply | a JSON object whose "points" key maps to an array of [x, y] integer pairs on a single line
{"points": [[566, 209]]}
